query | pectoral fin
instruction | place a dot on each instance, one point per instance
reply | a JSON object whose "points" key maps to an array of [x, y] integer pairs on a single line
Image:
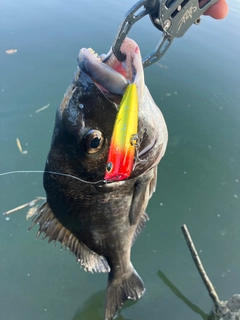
{"points": [[55, 231], [143, 190], [139, 202], [140, 227], [153, 182]]}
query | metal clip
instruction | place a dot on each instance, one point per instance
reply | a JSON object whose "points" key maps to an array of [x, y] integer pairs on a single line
{"points": [[175, 17], [172, 17], [130, 18]]}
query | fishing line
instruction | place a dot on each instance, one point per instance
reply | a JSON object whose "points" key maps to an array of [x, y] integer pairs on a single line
{"points": [[51, 172]]}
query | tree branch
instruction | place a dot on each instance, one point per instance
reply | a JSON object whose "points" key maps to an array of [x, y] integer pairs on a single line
{"points": [[200, 268]]}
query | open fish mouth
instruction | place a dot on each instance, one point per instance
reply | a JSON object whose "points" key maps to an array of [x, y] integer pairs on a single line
{"points": [[113, 78], [126, 80], [111, 75]]}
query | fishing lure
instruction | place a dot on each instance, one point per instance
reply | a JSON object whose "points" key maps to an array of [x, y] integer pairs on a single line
{"points": [[124, 140]]}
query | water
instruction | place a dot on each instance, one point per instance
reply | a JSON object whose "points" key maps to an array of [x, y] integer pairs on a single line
{"points": [[196, 85]]}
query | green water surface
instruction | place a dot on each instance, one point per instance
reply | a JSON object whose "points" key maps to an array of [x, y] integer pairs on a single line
{"points": [[197, 87]]}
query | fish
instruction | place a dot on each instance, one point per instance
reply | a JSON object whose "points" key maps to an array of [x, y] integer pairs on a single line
{"points": [[96, 217]]}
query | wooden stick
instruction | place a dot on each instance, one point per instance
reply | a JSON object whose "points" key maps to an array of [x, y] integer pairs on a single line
{"points": [[16, 209], [200, 267], [24, 205]]}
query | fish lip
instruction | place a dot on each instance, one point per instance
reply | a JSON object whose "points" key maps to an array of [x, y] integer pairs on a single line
{"points": [[106, 78], [111, 75], [109, 184], [111, 56]]}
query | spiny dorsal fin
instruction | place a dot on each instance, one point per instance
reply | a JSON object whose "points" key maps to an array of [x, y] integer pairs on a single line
{"points": [[55, 231]]}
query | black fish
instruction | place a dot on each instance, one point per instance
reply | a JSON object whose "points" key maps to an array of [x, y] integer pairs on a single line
{"points": [[96, 219]]}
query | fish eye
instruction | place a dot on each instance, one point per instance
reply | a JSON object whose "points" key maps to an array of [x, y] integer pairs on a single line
{"points": [[109, 166], [93, 141]]}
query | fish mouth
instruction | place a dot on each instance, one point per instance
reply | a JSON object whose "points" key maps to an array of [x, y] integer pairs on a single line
{"points": [[124, 79], [111, 75], [113, 78]]}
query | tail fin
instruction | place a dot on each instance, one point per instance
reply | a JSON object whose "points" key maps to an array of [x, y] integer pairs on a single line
{"points": [[131, 287]]}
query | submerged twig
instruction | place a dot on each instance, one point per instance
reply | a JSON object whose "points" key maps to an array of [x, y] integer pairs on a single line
{"points": [[20, 146], [224, 310], [30, 204], [11, 51], [42, 108], [198, 263]]}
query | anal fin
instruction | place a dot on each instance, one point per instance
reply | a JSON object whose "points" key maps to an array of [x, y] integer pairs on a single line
{"points": [[55, 231]]}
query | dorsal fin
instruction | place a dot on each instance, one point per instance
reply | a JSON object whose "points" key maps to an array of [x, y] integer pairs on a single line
{"points": [[55, 231]]}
